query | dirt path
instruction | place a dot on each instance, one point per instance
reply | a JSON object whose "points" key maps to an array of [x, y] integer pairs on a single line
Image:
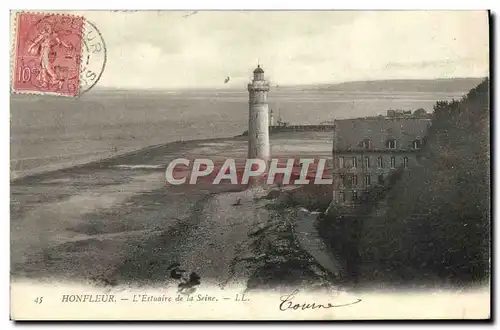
{"points": [[309, 239], [221, 240]]}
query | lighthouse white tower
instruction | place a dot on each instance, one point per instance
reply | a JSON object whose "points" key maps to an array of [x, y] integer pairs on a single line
{"points": [[258, 121]]}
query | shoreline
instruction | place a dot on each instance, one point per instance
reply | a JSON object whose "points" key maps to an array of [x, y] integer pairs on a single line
{"points": [[166, 147], [34, 174]]}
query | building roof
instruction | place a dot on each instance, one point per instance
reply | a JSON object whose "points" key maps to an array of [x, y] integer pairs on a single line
{"points": [[350, 134], [258, 70]]}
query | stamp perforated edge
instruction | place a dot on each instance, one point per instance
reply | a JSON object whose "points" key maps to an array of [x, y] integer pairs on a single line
{"points": [[14, 15]]}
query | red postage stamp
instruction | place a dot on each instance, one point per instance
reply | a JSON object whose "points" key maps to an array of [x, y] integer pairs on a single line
{"points": [[47, 54]]}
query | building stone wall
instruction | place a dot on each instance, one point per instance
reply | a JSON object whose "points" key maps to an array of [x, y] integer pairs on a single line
{"points": [[344, 183], [364, 158]]}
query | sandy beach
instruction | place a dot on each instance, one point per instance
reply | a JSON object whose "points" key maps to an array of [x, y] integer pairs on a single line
{"points": [[119, 220]]}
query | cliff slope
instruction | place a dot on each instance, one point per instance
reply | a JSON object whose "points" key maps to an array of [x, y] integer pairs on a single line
{"points": [[433, 224], [437, 221]]}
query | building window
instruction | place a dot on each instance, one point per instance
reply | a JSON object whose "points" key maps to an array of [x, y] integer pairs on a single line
{"points": [[391, 144], [341, 162], [367, 162], [354, 162], [341, 196], [347, 181], [416, 144], [354, 195], [405, 162], [380, 179], [367, 180], [354, 180], [380, 163], [393, 162], [367, 143], [342, 179]]}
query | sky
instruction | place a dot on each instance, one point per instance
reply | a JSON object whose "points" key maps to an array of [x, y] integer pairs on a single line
{"points": [[178, 49]]}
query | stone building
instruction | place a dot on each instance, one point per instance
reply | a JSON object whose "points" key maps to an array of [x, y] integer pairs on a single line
{"points": [[366, 150]]}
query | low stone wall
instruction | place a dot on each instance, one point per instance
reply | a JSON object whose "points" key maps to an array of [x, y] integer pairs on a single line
{"points": [[297, 128], [300, 128]]}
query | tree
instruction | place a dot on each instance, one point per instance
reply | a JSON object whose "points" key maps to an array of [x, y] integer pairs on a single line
{"points": [[420, 112]]}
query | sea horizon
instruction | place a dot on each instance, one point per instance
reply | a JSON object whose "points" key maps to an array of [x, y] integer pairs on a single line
{"points": [[54, 132], [233, 87]]}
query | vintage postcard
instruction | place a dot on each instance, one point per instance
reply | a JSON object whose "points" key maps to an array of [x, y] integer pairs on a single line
{"points": [[250, 165]]}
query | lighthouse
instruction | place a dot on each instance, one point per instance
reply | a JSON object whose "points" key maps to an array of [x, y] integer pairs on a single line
{"points": [[258, 120], [271, 117]]}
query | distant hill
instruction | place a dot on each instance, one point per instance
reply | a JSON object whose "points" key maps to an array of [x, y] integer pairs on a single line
{"points": [[402, 85], [451, 85]]}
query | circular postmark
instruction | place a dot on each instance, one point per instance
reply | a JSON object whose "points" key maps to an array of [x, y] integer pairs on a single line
{"points": [[93, 57], [62, 54]]}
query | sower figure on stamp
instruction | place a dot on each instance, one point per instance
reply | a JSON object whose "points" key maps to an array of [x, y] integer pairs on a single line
{"points": [[43, 46]]}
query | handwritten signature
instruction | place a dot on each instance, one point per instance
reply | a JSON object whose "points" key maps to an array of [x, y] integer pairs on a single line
{"points": [[287, 302]]}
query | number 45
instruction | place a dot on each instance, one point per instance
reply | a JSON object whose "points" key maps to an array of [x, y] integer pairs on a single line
{"points": [[38, 300]]}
